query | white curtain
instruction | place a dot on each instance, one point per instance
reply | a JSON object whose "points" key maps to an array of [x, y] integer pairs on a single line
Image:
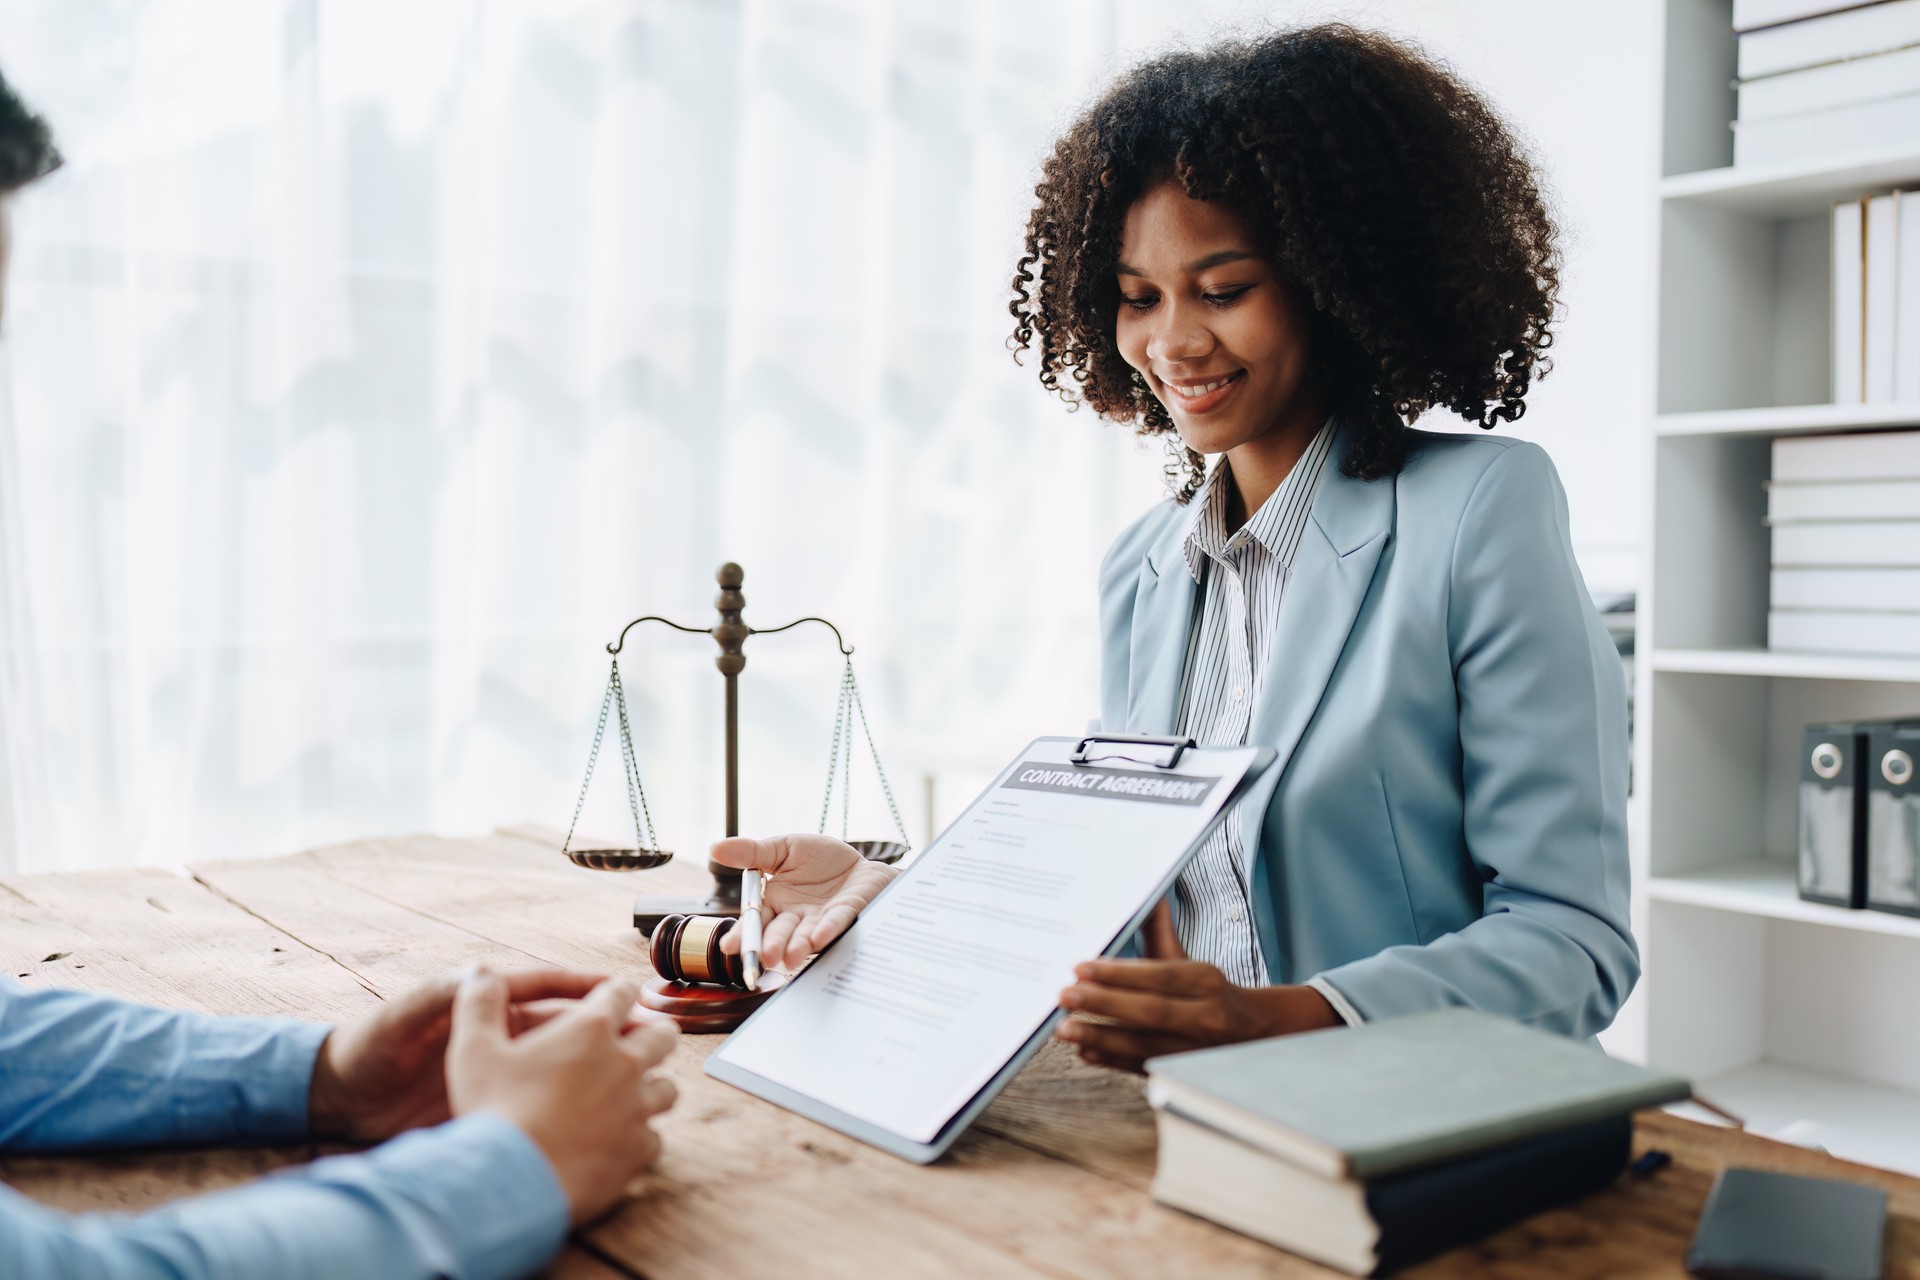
{"points": [[373, 360], [372, 363]]}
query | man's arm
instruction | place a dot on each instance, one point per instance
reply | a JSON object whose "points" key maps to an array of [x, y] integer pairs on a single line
{"points": [[472, 1198], [554, 1107], [84, 1070]]}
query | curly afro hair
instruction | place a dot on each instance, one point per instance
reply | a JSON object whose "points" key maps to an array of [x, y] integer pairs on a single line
{"points": [[1380, 184], [27, 153]]}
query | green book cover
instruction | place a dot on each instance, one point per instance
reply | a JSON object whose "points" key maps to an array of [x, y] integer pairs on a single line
{"points": [[1403, 1092]]}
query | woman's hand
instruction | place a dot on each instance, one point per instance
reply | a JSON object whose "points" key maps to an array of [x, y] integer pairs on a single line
{"points": [[817, 886], [1140, 1009]]}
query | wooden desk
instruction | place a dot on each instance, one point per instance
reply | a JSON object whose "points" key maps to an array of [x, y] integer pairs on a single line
{"points": [[1051, 1182]]}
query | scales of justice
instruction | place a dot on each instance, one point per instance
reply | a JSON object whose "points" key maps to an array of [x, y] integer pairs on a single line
{"points": [[696, 983]]}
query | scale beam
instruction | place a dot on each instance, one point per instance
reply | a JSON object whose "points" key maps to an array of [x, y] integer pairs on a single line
{"points": [[731, 634], [846, 650]]}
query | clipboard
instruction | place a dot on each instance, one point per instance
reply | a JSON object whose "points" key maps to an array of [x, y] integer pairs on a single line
{"points": [[1137, 753]]}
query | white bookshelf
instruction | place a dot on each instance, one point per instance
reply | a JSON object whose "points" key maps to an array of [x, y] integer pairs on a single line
{"points": [[1787, 420], [1797, 1015], [1799, 666], [1796, 188], [1766, 887]]}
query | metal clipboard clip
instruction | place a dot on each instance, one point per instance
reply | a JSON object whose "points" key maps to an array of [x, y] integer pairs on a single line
{"points": [[1166, 757]]}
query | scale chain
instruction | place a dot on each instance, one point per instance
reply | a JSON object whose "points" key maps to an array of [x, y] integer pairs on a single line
{"points": [[593, 756], [846, 777], [853, 688], [833, 757], [840, 763], [636, 793]]}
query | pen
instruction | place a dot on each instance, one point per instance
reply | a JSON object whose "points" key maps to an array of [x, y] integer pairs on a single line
{"points": [[750, 927]]}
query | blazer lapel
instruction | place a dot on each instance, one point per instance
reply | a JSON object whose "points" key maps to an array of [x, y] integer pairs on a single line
{"points": [[1162, 618], [1351, 523]]}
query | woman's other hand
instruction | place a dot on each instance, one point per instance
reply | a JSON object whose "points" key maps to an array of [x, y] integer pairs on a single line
{"points": [[1140, 1009], [816, 886]]}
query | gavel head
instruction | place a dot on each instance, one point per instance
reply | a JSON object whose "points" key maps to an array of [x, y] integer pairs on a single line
{"points": [[687, 949]]}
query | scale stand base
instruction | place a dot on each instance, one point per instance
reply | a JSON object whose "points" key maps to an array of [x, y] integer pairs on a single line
{"points": [[649, 909]]}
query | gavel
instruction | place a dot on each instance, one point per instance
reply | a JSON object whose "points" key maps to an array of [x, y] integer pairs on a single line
{"points": [[693, 983], [687, 949]]}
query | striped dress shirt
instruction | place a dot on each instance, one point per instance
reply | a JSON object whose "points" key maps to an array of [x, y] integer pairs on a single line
{"points": [[1243, 578]]}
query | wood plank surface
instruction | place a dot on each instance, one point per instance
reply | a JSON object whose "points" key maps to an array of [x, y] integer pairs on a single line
{"points": [[1051, 1182], [159, 937]]}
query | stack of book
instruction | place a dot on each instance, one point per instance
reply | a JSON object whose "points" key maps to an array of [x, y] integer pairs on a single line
{"points": [[1823, 75], [1844, 512], [1819, 76], [1370, 1147], [1876, 298]]}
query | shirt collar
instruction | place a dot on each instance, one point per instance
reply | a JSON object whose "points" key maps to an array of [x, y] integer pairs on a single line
{"points": [[1277, 525]]}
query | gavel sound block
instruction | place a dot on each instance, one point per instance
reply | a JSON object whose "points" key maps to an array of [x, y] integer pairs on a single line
{"points": [[695, 984]]}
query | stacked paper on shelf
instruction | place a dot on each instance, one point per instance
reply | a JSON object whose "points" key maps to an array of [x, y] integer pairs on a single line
{"points": [[1818, 77], [1876, 298], [1844, 511]]}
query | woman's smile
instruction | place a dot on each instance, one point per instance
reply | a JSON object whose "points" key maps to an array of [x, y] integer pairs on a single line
{"points": [[1200, 395]]}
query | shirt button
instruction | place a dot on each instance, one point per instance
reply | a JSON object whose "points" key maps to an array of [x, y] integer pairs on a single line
{"points": [[1233, 914], [1238, 693]]}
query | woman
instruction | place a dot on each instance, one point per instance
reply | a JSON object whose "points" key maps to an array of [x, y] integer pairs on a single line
{"points": [[1277, 253]]}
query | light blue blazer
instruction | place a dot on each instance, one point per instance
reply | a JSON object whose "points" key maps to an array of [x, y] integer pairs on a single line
{"points": [[1446, 822]]}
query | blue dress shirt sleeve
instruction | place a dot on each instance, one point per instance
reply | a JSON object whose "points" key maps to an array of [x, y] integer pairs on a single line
{"points": [[85, 1070], [472, 1198]]}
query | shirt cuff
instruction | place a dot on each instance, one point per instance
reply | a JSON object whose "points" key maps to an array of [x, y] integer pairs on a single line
{"points": [[1341, 1005], [491, 1188], [250, 1077]]}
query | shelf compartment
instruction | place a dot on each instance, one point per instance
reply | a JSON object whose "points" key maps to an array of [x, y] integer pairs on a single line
{"points": [[1766, 887], [1867, 1123], [1794, 188], [1723, 749], [1799, 666], [1710, 546], [1745, 309], [1781, 420], [1734, 988]]}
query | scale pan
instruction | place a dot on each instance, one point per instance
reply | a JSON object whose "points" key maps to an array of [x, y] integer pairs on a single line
{"points": [[620, 859], [887, 851]]}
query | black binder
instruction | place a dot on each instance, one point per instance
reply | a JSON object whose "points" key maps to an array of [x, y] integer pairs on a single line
{"points": [[1833, 813], [1891, 802]]}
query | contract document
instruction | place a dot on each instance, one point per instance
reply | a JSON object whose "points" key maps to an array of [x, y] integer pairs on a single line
{"points": [[952, 976]]}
